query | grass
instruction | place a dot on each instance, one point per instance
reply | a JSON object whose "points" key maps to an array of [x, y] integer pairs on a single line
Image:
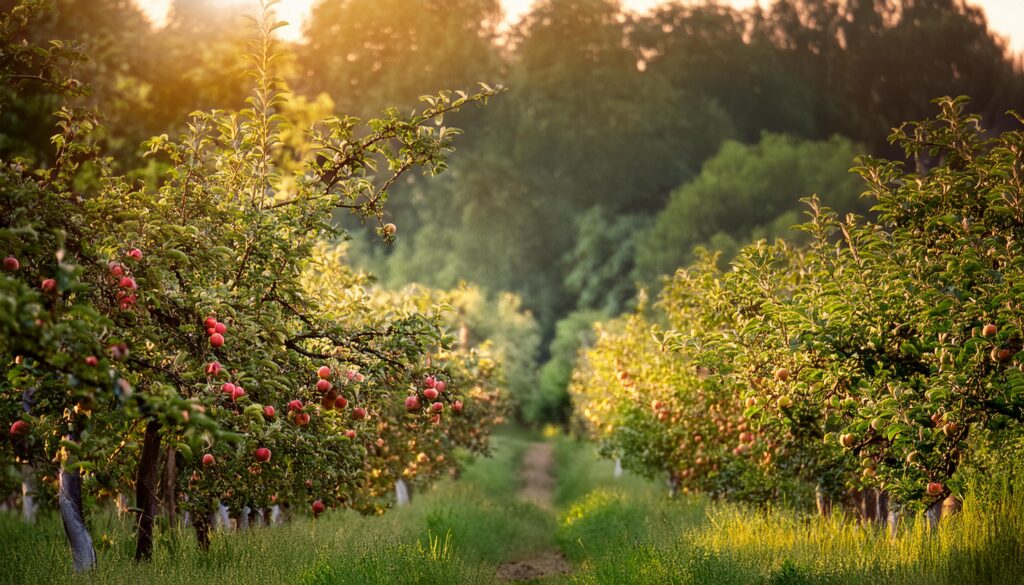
{"points": [[628, 531], [615, 530], [455, 533]]}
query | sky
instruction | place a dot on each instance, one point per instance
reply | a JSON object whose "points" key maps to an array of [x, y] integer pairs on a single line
{"points": [[1006, 17]]}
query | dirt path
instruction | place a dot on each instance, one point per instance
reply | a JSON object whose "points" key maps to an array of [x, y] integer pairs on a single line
{"points": [[538, 487]]}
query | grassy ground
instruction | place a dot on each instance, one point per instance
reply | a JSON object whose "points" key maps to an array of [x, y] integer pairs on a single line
{"points": [[627, 531], [615, 530]]}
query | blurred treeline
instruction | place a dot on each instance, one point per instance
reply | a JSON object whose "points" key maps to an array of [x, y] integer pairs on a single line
{"points": [[624, 142]]}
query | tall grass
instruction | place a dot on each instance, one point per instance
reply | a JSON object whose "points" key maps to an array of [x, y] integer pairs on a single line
{"points": [[629, 533]]}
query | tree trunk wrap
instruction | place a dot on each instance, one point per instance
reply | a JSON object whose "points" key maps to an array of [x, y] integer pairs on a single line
{"points": [[822, 501], [146, 490], [401, 493], [69, 501], [28, 491]]}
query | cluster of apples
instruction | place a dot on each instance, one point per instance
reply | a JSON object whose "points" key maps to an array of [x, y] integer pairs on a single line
{"points": [[432, 389], [216, 330], [12, 264], [126, 296]]}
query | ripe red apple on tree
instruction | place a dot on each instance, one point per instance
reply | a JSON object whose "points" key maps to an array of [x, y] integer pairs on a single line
{"points": [[227, 388], [457, 406], [49, 285], [436, 407], [440, 386], [127, 282], [11, 264], [295, 406], [340, 402], [220, 328], [92, 360], [782, 374], [269, 411], [1001, 354], [216, 340], [208, 460], [989, 330], [430, 393], [213, 369], [323, 385], [435, 419], [210, 322], [324, 372], [358, 413], [302, 419], [318, 508], [935, 488], [262, 454], [19, 428], [135, 254], [237, 393], [429, 382], [350, 434], [118, 351], [412, 403]]}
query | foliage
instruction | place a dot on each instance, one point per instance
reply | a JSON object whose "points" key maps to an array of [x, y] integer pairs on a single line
{"points": [[862, 361]]}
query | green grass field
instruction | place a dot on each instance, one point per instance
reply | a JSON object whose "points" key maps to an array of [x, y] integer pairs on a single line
{"points": [[614, 531]]}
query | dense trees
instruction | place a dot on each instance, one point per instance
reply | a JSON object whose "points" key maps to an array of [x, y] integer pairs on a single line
{"points": [[176, 333], [883, 356]]}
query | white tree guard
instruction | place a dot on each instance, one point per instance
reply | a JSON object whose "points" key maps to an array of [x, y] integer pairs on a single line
{"points": [[618, 468], [401, 492]]}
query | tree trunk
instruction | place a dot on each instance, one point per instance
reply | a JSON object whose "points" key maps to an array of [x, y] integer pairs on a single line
{"points": [[934, 514], [168, 487], [242, 519], [201, 524], [145, 490], [823, 501], [463, 336], [951, 506], [402, 493], [617, 473], [69, 501], [893, 519], [28, 490], [882, 508], [673, 485]]}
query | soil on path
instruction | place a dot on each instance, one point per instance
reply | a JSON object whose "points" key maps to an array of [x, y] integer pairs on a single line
{"points": [[538, 487]]}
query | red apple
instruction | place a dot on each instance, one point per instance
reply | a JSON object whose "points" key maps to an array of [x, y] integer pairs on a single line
{"points": [[238, 393], [435, 419], [295, 405], [49, 285], [782, 374], [227, 388], [216, 340], [135, 254], [950, 428], [351, 374], [436, 407], [269, 411], [340, 402], [213, 369], [935, 488], [350, 434], [457, 406], [324, 372], [119, 352], [263, 454], [220, 328], [989, 330], [412, 403], [439, 386], [92, 361], [323, 385], [429, 382], [430, 393], [128, 283], [1001, 354], [210, 322], [11, 264], [318, 508], [19, 428], [358, 377], [208, 460], [116, 270], [302, 419], [358, 413]]}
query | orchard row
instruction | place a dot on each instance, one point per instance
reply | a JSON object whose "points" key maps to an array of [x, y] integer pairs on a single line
{"points": [[882, 356], [198, 341]]}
